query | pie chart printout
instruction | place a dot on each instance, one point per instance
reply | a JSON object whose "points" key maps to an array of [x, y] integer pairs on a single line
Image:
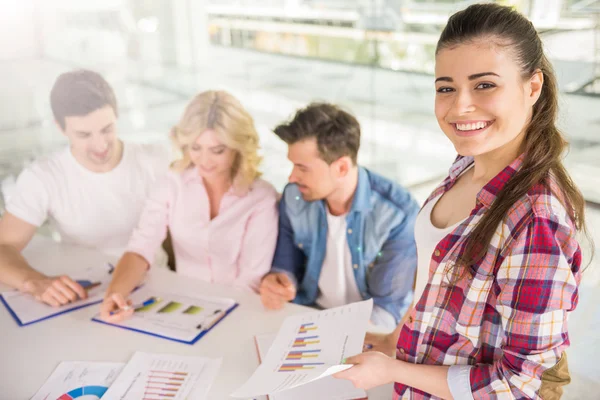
{"points": [[78, 380], [85, 393]]}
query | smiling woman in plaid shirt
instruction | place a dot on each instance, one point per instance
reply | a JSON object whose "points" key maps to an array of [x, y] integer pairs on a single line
{"points": [[505, 264]]}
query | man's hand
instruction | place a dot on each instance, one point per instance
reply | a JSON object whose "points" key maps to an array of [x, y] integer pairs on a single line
{"points": [[56, 291], [276, 289]]}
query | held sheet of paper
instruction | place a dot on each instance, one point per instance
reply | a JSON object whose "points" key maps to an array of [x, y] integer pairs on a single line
{"points": [[309, 347], [164, 376]]}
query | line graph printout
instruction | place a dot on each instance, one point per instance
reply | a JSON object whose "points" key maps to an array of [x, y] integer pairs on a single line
{"points": [[309, 347]]}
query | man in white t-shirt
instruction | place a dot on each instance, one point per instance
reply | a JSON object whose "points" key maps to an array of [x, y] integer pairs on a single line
{"points": [[92, 191]]}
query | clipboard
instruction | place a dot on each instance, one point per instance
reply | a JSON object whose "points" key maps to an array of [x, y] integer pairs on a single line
{"points": [[26, 310], [179, 318]]}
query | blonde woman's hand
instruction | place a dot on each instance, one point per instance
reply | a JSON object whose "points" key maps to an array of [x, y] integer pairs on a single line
{"points": [[116, 308]]}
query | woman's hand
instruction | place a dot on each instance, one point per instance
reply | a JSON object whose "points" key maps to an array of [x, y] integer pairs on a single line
{"points": [[370, 370], [115, 308], [381, 342]]}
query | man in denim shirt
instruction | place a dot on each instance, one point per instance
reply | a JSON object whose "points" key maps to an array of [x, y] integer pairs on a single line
{"points": [[345, 233]]}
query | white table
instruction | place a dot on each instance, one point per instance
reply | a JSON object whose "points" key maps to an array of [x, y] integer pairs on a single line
{"points": [[29, 354]]}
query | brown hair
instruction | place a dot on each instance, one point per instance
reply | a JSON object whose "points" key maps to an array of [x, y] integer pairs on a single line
{"points": [[78, 93], [337, 132], [543, 143]]}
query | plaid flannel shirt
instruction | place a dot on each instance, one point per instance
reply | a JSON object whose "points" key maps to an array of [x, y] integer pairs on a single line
{"points": [[503, 326]]}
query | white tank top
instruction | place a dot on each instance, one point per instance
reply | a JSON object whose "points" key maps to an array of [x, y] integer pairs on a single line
{"points": [[427, 237]]}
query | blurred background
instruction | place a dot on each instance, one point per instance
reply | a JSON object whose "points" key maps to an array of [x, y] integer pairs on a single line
{"points": [[375, 57]]}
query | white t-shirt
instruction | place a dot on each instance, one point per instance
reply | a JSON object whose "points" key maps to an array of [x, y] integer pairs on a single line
{"points": [[337, 285], [90, 209]]}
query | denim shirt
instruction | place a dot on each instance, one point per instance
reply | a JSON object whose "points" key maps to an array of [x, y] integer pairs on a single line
{"points": [[380, 234]]}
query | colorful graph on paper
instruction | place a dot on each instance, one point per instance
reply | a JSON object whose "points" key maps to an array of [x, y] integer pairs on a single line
{"points": [[79, 380], [309, 347], [305, 350], [89, 392], [174, 316], [164, 384], [164, 377]]}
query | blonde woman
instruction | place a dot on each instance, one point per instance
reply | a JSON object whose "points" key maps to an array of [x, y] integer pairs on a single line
{"points": [[222, 217]]}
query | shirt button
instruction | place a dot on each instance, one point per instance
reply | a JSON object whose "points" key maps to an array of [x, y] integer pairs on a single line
{"points": [[410, 320], [402, 351], [436, 253], [355, 266], [300, 245], [350, 231]]}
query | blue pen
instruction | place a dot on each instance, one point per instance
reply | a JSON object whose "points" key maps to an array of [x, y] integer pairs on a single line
{"points": [[148, 302]]}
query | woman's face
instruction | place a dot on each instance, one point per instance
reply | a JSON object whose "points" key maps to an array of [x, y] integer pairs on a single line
{"points": [[212, 158], [482, 102]]}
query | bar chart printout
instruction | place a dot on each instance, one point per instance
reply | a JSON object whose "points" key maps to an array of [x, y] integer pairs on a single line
{"points": [[309, 347], [305, 350], [327, 388], [164, 377], [79, 380]]}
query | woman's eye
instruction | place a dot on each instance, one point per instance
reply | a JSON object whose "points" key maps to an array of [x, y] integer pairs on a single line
{"points": [[485, 86]]}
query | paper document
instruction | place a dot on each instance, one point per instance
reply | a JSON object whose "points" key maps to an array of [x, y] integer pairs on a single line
{"points": [[327, 388], [164, 376], [74, 379], [309, 347], [27, 310], [172, 316]]}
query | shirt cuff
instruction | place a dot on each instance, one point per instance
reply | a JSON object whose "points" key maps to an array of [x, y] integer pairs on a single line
{"points": [[459, 382], [381, 317]]}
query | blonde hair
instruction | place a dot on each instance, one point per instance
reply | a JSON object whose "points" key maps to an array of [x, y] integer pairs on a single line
{"points": [[222, 113]]}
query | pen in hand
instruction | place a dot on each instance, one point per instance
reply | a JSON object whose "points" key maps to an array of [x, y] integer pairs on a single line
{"points": [[146, 303]]}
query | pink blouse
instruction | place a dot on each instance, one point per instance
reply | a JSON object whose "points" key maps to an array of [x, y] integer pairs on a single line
{"points": [[235, 248]]}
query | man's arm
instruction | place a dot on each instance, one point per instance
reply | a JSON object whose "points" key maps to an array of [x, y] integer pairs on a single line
{"points": [[392, 277], [15, 234], [280, 285], [288, 258]]}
